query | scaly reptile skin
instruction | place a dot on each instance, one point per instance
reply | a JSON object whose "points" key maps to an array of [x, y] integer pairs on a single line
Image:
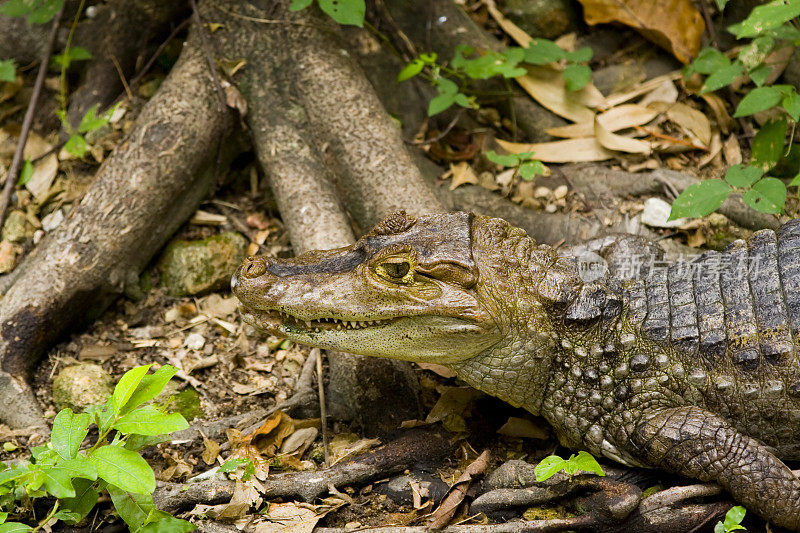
{"points": [[692, 368]]}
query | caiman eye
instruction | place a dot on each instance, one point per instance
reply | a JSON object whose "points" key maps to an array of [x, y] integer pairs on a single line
{"points": [[395, 270]]}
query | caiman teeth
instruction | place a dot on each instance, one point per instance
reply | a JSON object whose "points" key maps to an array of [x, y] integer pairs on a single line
{"points": [[316, 324]]}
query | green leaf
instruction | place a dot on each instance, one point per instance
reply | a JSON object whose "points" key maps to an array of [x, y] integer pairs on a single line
{"points": [[84, 500], [124, 468], [530, 169], [465, 101], [45, 11], [760, 74], [76, 145], [128, 384], [15, 8], [719, 527], [413, 68], [708, 61], [26, 174], [721, 4], [231, 465], [446, 86], [13, 474], [297, 5], [8, 72], [132, 508], [577, 76], [76, 53], [758, 99], [91, 121], [148, 420], [149, 387], [508, 70], [77, 468], [791, 103], [68, 433], [57, 482], [766, 196], [581, 55], [440, 103], [742, 176], [14, 527], [756, 52], [543, 52], [167, 524], [510, 160], [548, 467], [765, 17], [734, 517], [795, 181], [722, 77], [345, 11], [429, 58], [586, 462], [768, 143], [700, 199]]}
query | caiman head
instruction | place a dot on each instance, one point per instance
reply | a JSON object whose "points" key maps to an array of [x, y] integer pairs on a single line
{"points": [[454, 289]]}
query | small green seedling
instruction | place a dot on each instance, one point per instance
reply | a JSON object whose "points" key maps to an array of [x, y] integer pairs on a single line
{"points": [[345, 12], [526, 166], [733, 520], [8, 70], [553, 464], [71, 478]]}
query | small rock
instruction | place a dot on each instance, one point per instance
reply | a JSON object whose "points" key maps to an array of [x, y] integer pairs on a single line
{"points": [[656, 212], [52, 221], [542, 18], [560, 192], [9, 253], [541, 192], [17, 227], [194, 341], [81, 386], [398, 489], [195, 267]]}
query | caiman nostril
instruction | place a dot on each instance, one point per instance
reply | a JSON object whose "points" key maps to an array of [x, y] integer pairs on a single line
{"points": [[253, 267]]}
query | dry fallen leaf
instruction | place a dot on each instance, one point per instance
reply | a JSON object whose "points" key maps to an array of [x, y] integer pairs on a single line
{"points": [[732, 151], [462, 173], [717, 105], [288, 518], [447, 509], [547, 86], [568, 151], [675, 25], [618, 118]]}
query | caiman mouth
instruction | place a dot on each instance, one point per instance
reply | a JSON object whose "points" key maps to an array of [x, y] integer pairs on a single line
{"points": [[277, 321]]}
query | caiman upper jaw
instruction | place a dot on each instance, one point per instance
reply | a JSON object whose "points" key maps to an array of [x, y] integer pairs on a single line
{"points": [[279, 322]]}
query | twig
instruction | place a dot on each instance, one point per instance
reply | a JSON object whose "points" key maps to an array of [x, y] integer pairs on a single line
{"points": [[323, 414], [207, 51], [442, 135], [13, 171], [118, 67], [138, 78], [712, 34]]}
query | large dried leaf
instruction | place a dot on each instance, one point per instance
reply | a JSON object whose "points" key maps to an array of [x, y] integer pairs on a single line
{"points": [[546, 85], [568, 151], [675, 25], [618, 118], [694, 122], [44, 170], [613, 141], [639, 89]]}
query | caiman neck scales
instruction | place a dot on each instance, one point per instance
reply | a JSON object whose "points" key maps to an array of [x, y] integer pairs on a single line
{"points": [[693, 368]]}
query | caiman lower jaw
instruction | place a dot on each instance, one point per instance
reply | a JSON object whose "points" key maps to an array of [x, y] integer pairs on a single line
{"points": [[280, 323]]}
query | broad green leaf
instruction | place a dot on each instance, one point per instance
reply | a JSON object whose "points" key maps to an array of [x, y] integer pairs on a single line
{"points": [[584, 461], [127, 385], [413, 68], [708, 61], [743, 176], [44, 455], [445, 86], [76, 53], [57, 482], [132, 508], [165, 523], [767, 196], [722, 77], [15, 8], [510, 160], [760, 74], [508, 70], [795, 181], [465, 101], [148, 420], [44, 11], [76, 145], [91, 121], [68, 433], [576, 76], [758, 99], [791, 103], [734, 517], [84, 500], [429, 58], [483, 67], [231, 465], [581, 55], [77, 468], [345, 11], [530, 169], [297, 5], [719, 527], [150, 387], [68, 517], [137, 442], [513, 54], [13, 474], [440, 103], [26, 174], [14, 527], [768, 143], [766, 17], [548, 467], [8, 72], [124, 468], [756, 52], [700, 199], [543, 52]]}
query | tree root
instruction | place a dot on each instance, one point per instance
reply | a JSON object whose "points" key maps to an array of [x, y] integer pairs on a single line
{"points": [[150, 185], [427, 445]]}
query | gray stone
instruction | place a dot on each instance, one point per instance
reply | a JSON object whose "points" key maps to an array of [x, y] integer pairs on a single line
{"points": [[81, 386], [542, 18], [197, 267]]}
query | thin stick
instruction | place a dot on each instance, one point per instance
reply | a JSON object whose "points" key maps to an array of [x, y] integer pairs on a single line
{"points": [[138, 78], [16, 162], [323, 416]]}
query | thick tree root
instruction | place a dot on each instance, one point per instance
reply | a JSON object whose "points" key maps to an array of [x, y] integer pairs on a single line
{"points": [[287, 136], [417, 446], [150, 185]]}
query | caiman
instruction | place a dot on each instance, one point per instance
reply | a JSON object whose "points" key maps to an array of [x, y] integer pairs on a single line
{"points": [[693, 368]]}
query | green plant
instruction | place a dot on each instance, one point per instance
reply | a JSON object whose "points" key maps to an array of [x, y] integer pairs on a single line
{"points": [[346, 12], [126, 423], [453, 80], [553, 464], [91, 121], [733, 520], [8, 71], [769, 26], [524, 164]]}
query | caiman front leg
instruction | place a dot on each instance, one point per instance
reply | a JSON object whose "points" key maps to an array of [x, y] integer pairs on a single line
{"points": [[693, 442]]}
